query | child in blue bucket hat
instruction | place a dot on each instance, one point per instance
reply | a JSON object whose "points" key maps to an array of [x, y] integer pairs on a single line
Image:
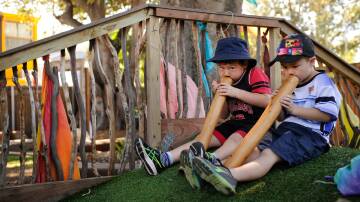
{"points": [[246, 99], [307, 120]]}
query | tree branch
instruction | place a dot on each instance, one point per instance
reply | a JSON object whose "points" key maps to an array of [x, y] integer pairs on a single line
{"points": [[68, 16], [95, 10]]}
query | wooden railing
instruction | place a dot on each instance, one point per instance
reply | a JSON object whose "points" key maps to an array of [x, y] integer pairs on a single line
{"points": [[150, 19]]}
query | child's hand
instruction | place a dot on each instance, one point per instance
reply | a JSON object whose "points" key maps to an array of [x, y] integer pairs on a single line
{"points": [[227, 90], [287, 103], [275, 92], [215, 86]]}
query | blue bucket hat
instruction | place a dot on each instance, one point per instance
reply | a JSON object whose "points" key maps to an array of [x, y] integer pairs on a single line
{"points": [[230, 49]]}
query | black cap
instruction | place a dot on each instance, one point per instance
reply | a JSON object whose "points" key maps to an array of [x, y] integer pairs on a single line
{"points": [[292, 48]]}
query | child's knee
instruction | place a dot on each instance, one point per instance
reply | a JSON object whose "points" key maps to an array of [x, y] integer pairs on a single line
{"points": [[235, 137]]}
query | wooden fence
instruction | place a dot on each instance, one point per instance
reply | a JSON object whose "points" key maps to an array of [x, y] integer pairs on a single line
{"points": [[141, 104]]}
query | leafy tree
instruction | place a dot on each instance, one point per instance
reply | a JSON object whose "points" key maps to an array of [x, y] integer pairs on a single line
{"points": [[333, 23]]}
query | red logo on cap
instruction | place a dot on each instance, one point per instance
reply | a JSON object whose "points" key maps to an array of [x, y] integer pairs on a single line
{"points": [[292, 43]]}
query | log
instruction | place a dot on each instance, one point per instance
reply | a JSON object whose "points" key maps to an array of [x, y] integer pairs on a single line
{"points": [[183, 69], [33, 123], [195, 34], [181, 130], [50, 191], [53, 75], [213, 116], [81, 105], [6, 133], [258, 131], [92, 127]]}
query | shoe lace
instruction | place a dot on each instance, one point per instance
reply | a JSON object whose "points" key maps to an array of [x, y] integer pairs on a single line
{"points": [[153, 155]]}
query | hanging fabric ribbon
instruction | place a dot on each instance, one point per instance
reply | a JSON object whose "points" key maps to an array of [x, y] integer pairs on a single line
{"points": [[63, 139], [266, 58], [209, 66]]}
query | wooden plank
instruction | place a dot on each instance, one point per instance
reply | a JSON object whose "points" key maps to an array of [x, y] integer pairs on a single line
{"points": [[70, 38], [215, 17], [2, 33], [327, 56], [183, 130], [152, 70], [275, 70], [51, 191]]}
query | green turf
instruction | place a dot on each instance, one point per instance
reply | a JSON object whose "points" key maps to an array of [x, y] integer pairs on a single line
{"points": [[281, 184]]}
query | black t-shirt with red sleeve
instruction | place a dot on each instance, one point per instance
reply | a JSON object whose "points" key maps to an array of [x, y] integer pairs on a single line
{"points": [[244, 115]]}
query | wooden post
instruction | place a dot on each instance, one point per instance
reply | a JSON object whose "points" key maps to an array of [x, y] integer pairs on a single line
{"points": [[258, 47], [152, 71], [87, 97], [198, 66], [81, 105], [275, 70], [33, 123], [6, 133]]}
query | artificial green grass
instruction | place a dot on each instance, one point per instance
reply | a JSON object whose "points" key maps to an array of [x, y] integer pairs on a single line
{"points": [[281, 184]]}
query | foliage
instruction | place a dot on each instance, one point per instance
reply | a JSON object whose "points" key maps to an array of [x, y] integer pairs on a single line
{"points": [[333, 23], [281, 184]]}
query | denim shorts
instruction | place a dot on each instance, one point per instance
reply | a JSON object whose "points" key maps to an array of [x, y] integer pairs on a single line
{"points": [[295, 144]]}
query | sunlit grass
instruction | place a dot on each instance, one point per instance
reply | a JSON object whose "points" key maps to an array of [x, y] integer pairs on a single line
{"points": [[14, 162], [281, 184]]}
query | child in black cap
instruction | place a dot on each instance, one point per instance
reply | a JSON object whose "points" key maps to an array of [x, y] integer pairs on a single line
{"points": [[246, 100], [308, 117]]}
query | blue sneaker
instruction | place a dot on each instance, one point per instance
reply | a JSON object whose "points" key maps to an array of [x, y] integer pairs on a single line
{"points": [[220, 177]]}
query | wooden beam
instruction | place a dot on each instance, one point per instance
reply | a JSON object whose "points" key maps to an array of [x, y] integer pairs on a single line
{"points": [[327, 56], [275, 69], [183, 130], [70, 38], [152, 74], [51, 191], [215, 17]]}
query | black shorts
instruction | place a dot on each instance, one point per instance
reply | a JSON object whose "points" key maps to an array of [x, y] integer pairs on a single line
{"points": [[296, 144], [223, 131]]}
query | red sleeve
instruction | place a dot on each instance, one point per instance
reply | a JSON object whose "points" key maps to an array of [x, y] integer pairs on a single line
{"points": [[259, 82]]}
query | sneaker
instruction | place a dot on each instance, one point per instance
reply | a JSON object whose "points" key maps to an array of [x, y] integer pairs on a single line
{"points": [[211, 157], [197, 148], [186, 165], [219, 176], [149, 156]]}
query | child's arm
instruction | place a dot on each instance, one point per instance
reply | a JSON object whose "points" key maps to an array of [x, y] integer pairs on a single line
{"points": [[302, 112], [256, 99]]}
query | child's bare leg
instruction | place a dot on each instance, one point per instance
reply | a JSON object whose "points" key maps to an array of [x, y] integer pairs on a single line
{"points": [[230, 146], [257, 168], [175, 153]]}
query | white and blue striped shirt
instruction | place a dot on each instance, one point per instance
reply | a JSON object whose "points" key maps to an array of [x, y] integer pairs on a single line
{"points": [[320, 93]]}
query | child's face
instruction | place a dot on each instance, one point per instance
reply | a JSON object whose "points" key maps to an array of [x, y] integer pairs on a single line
{"points": [[233, 69], [303, 69]]}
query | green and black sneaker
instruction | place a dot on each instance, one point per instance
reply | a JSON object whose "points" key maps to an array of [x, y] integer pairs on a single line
{"points": [[192, 177], [219, 176], [149, 156]]}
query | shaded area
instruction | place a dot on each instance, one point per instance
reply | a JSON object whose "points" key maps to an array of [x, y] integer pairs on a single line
{"points": [[281, 184]]}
